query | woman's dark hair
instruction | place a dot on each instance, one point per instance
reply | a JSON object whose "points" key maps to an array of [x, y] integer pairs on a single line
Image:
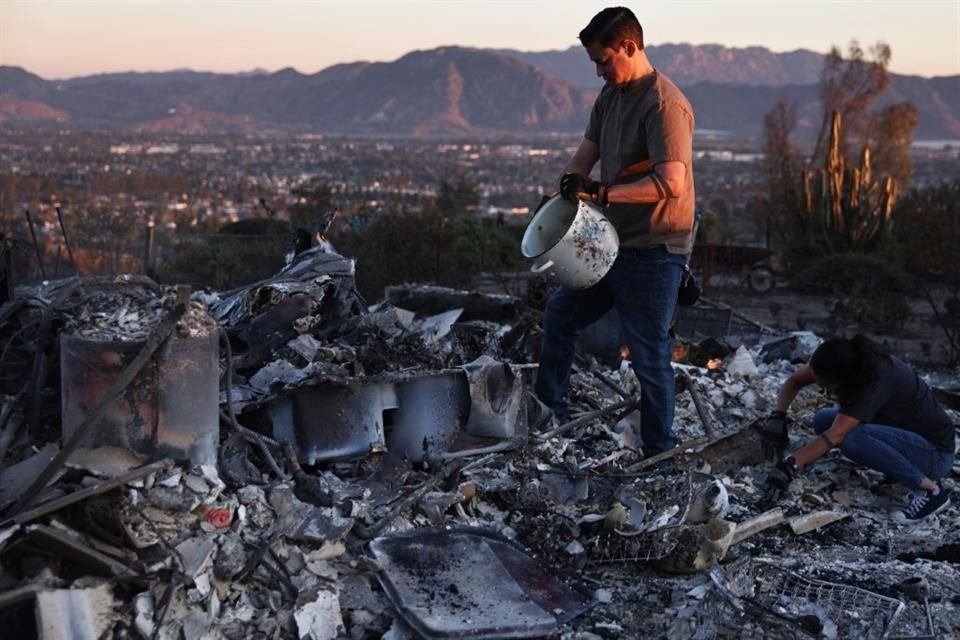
{"points": [[848, 364], [612, 26]]}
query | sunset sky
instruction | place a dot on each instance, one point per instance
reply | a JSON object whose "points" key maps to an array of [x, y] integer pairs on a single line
{"points": [[64, 38]]}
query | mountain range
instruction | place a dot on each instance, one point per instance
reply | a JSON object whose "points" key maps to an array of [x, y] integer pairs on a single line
{"points": [[449, 91]]}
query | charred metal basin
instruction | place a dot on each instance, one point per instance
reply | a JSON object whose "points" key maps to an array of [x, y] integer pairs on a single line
{"points": [[335, 423], [432, 409], [417, 416], [170, 409], [471, 583]]}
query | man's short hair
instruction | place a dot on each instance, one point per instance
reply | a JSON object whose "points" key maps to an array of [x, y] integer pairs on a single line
{"points": [[612, 26]]}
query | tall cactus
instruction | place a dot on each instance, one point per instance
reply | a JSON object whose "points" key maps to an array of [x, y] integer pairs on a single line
{"points": [[844, 204]]}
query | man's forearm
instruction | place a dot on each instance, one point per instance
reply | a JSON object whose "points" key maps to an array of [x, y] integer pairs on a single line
{"points": [[642, 191]]}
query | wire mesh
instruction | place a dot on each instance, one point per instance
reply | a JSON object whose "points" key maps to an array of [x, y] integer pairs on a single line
{"points": [[914, 623], [755, 597], [661, 495]]}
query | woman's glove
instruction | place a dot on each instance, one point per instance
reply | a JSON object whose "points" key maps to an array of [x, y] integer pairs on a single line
{"points": [[780, 476], [775, 432]]}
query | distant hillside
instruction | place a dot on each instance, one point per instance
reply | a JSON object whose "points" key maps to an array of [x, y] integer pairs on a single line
{"points": [[448, 91], [688, 64], [16, 111]]}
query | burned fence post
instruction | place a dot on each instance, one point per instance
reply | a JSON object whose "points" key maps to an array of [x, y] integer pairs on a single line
{"points": [[150, 253]]}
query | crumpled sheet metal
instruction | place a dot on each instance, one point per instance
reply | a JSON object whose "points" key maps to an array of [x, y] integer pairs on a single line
{"points": [[471, 583], [497, 398], [310, 273]]}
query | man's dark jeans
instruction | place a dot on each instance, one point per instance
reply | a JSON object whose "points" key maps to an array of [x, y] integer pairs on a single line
{"points": [[642, 285], [902, 455]]}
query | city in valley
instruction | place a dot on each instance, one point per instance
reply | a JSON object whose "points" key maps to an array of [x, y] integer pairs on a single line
{"points": [[111, 186]]}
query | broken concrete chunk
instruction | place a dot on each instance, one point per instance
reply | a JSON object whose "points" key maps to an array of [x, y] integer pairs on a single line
{"points": [[741, 364], [196, 555], [143, 620], [106, 462], [231, 558], [75, 614], [318, 617], [757, 524], [813, 521], [197, 485], [196, 625], [306, 346]]}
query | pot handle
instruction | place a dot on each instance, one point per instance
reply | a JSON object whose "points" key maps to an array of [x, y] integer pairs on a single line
{"points": [[540, 268]]}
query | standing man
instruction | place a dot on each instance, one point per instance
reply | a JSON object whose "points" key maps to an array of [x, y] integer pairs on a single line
{"points": [[641, 131]]}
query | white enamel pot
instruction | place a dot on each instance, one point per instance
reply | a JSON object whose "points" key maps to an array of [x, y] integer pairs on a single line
{"points": [[573, 243]]}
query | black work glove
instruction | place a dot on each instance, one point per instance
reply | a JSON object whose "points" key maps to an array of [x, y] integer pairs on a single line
{"points": [[574, 184], [775, 433], [779, 477]]}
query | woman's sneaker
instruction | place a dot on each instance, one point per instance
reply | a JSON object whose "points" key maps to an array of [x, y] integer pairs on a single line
{"points": [[925, 504]]}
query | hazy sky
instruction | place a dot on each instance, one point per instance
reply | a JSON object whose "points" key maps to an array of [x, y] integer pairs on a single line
{"points": [[64, 38]]}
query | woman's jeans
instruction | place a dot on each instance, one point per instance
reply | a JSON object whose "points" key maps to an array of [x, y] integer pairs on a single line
{"points": [[903, 455], [642, 285]]}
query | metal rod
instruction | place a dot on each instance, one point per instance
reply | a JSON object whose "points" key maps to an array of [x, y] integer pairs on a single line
{"points": [[66, 240], [698, 403], [36, 245]]}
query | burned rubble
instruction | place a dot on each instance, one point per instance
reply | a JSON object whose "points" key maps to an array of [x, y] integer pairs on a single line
{"points": [[287, 461]]}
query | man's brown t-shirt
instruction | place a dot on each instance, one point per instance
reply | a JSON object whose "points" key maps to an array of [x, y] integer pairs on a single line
{"points": [[636, 127]]}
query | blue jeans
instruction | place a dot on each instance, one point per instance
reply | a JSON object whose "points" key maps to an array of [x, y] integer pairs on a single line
{"points": [[905, 456], [642, 285]]}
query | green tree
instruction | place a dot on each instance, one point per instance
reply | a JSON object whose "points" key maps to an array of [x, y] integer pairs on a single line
{"points": [[928, 247], [457, 198], [312, 203]]}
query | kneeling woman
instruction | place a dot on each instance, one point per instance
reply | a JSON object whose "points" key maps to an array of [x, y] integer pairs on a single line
{"points": [[887, 419]]}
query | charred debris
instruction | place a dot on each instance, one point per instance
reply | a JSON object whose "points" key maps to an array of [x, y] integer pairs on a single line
{"points": [[286, 461]]}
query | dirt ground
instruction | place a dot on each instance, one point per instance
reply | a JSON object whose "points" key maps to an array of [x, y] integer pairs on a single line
{"points": [[921, 342]]}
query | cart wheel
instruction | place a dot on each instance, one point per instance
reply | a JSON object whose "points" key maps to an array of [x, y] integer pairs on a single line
{"points": [[760, 279]]}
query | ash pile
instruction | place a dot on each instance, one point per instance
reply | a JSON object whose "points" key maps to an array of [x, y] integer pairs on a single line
{"points": [[286, 461]]}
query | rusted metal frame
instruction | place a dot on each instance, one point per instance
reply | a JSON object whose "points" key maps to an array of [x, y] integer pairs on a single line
{"points": [[38, 372], [633, 403], [252, 437], [77, 496], [669, 453], [312, 485], [8, 435], [368, 533], [159, 336]]}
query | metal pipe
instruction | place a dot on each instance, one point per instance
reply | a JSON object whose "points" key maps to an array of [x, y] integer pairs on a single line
{"points": [[66, 240], [36, 245]]}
